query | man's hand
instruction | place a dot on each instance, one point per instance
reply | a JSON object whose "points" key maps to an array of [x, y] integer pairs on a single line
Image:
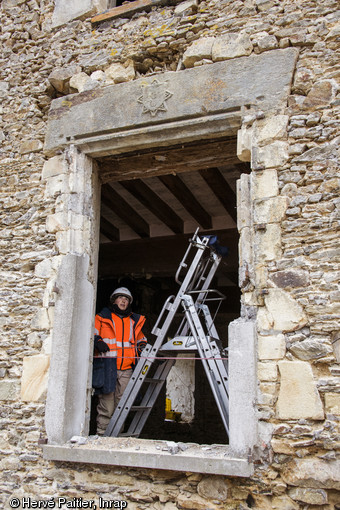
{"points": [[100, 345]]}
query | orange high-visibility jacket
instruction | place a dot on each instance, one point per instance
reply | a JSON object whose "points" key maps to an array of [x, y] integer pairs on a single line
{"points": [[122, 334]]}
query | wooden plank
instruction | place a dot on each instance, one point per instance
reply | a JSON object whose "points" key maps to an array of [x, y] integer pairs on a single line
{"points": [[118, 205], [155, 204], [126, 10], [170, 160], [221, 189], [159, 256], [187, 199], [109, 230]]}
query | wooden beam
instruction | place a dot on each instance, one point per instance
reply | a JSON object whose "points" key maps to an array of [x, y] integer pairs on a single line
{"points": [[159, 256], [109, 230], [187, 199], [117, 204], [221, 189], [170, 160], [156, 205]]}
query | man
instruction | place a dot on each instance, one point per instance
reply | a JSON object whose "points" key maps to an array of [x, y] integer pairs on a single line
{"points": [[118, 342]]}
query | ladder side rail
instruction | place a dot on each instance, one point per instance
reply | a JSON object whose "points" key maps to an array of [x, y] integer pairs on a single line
{"points": [[130, 393], [214, 261], [216, 379], [209, 347], [213, 332], [161, 332], [149, 399]]}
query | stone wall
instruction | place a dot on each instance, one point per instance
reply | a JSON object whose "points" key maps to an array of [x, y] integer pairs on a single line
{"points": [[289, 281]]}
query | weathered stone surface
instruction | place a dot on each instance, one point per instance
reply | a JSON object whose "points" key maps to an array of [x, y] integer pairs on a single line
{"points": [[286, 313], [118, 73], [78, 81], [267, 371], [34, 378], [54, 166], [213, 90], [200, 49], [264, 184], [194, 502], [31, 146], [310, 496], [274, 127], [298, 396], [324, 152], [231, 46], [213, 488], [332, 403], [8, 390], [290, 279], [186, 8], [271, 347], [270, 210], [60, 78], [270, 156], [313, 473], [311, 348], [268, 243], [65, 11], [321, 94]]}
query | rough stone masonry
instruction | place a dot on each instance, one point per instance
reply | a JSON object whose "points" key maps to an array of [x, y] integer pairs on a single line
{"points": [[290, 285]]}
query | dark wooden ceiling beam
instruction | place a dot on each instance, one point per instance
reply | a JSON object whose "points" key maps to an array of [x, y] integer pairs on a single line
{"points": [[187, 199], [160, 256], [170, 160], [109, 230], [156, 205], [119, 206], [221, 189]]}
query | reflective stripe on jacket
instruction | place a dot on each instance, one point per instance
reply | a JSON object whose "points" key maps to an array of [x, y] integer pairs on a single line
{"points": [[122, 335]]}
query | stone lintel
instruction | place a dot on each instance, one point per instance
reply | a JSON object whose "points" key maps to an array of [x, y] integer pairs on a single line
{"points": [[221, 463], [152, 102]]}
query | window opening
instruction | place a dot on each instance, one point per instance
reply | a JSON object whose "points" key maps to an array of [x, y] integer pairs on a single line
{"points": [[142, 243]]}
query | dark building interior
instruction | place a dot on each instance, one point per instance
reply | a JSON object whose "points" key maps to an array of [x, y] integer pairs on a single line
{"points": [[152, 202]]}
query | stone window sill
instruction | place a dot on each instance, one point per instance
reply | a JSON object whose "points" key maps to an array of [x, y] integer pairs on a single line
{"points": [[131, 8], [142, 453]]}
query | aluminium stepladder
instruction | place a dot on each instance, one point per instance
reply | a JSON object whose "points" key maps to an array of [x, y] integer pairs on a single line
{"points": [[196, 333]]}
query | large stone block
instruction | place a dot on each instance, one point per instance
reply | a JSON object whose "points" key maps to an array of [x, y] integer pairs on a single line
{"points": [[271, 128], [65, 10], [267, 371], [313, 473], [264, 184], [267, 244], [271, 347], [231, 45], [170, 97], [286, 312], [34, 378], [310, 496], [298, 396], [270, 210], [271, 156], [213, 488], [200, 49], [54, 166]]}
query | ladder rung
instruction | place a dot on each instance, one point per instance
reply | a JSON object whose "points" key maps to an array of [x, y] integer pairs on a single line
{"points": [[140, 408], [126, 434], [154, 381]]}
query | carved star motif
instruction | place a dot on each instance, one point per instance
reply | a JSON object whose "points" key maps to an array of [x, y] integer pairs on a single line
{"points": [[153, 97]]}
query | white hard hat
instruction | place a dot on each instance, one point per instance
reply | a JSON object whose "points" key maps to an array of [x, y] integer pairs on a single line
{"points": [[121, 291]]}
